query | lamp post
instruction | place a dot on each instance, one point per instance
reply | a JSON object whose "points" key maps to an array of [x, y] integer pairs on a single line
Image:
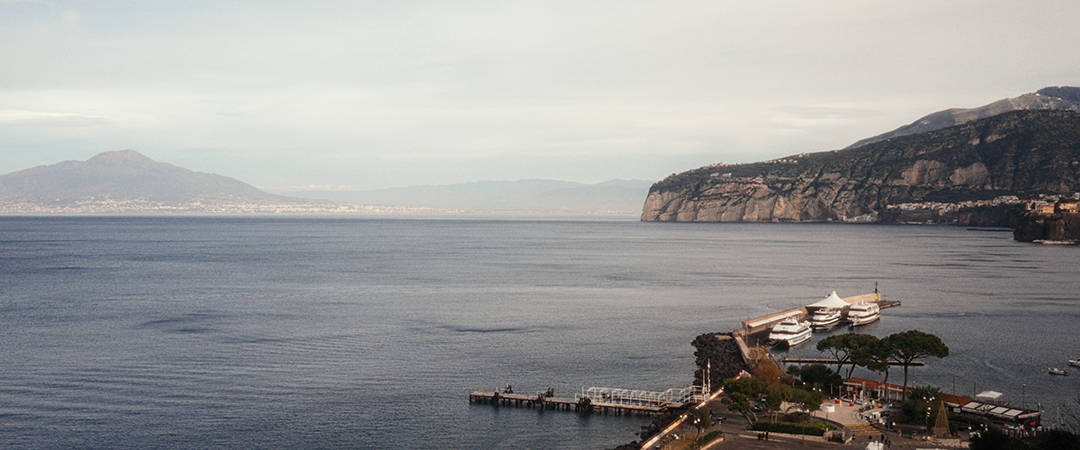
{"points": [[926, 423], [1024, 390], [927, 420]]}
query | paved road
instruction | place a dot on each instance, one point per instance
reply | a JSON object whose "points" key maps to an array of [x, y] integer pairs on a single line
{"points": [[738, 438]]}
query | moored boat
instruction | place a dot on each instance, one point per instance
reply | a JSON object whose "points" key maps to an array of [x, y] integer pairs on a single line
{"points": [[790, 332], [825, 318], [863, 313], [1056, 371]]}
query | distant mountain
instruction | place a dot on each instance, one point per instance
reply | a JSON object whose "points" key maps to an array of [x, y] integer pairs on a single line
{"points": [[127, 182], [615, 196], [1023, 153], [1059, 98], [124, 174]]}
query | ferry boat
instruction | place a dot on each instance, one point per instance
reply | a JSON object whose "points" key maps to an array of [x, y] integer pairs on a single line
{"points": [[863, 313], [1056, 371], [790, 332], [825, 318]]}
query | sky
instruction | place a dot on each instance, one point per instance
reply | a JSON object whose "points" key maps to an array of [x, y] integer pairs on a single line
{"points": [[352, 95]]}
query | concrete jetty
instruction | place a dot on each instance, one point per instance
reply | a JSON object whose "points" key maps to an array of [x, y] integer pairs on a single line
{"points": [[766, 322], [754, 355]]}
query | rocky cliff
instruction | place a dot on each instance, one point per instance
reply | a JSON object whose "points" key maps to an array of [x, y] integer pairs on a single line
{"points": [[1059, 227], [1023, 153]]}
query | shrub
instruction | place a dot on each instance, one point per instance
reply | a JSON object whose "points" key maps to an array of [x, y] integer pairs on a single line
{"points": [[813, 429]]}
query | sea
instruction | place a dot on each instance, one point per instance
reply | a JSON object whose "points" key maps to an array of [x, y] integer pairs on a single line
{"points": [[309, 332]]}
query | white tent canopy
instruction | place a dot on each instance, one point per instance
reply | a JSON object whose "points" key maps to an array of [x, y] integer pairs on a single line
{"points": [[831, 301], [989, 396]]}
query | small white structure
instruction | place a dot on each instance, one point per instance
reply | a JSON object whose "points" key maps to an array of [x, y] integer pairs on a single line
{"points": [[989, 396]]}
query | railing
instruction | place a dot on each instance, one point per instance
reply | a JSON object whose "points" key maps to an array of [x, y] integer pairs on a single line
{"points": [[638, 398]]}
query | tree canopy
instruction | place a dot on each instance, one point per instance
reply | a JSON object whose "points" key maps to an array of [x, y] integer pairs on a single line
{"points": [[700, 417], [845, 346], [817, 375], [748, 386], [777, 395], [907, 346], [875, 357], [739, 393]]}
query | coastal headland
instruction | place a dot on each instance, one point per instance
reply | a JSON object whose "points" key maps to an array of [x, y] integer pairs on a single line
{"points": [[969, 167], [863, 412]]}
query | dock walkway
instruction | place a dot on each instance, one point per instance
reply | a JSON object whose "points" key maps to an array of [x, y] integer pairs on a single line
{"points": [[834, 361], [615, 400], [530, 401]]}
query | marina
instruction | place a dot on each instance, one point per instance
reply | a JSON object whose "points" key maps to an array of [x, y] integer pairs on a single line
{"points": [[767, 322], [788, 328]]}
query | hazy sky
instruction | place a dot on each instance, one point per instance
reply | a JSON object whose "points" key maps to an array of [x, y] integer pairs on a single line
{"points": [[370, 94]]}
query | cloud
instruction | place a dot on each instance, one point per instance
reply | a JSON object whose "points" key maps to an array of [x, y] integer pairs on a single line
{"points": [[346, 93], [48, 118]]}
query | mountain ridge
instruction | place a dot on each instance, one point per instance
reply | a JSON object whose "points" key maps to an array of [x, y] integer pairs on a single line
{"points": [[1023, 152], [1048, 98], [126, 181], [124, 175], [535, 195]]}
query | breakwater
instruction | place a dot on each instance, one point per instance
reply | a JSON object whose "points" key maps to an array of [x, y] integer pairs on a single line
{"points": [[749, 336]]}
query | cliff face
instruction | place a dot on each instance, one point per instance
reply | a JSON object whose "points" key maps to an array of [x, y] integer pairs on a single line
{"points": [[1020, 153], [1050, 227]]}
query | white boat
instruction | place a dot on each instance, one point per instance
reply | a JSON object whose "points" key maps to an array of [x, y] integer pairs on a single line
{"points": [[1056, 371], [790, 332], [863, 313], [1050, 242], [825, 318], [1074, 362]]}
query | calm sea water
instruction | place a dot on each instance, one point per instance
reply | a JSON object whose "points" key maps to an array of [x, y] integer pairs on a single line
{"points": [[187, 332]]}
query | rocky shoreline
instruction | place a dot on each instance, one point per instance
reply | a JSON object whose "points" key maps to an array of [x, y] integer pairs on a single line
{"points": [[1059, 227], [716, 353]]}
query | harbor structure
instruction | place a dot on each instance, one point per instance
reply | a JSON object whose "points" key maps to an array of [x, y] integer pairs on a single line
{"points": [[629, 401], [763, 323], [600, 399]]}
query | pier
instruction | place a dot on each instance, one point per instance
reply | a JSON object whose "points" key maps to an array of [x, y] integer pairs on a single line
{"points": [[529, 401], [598, 399], [833, 361]]}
